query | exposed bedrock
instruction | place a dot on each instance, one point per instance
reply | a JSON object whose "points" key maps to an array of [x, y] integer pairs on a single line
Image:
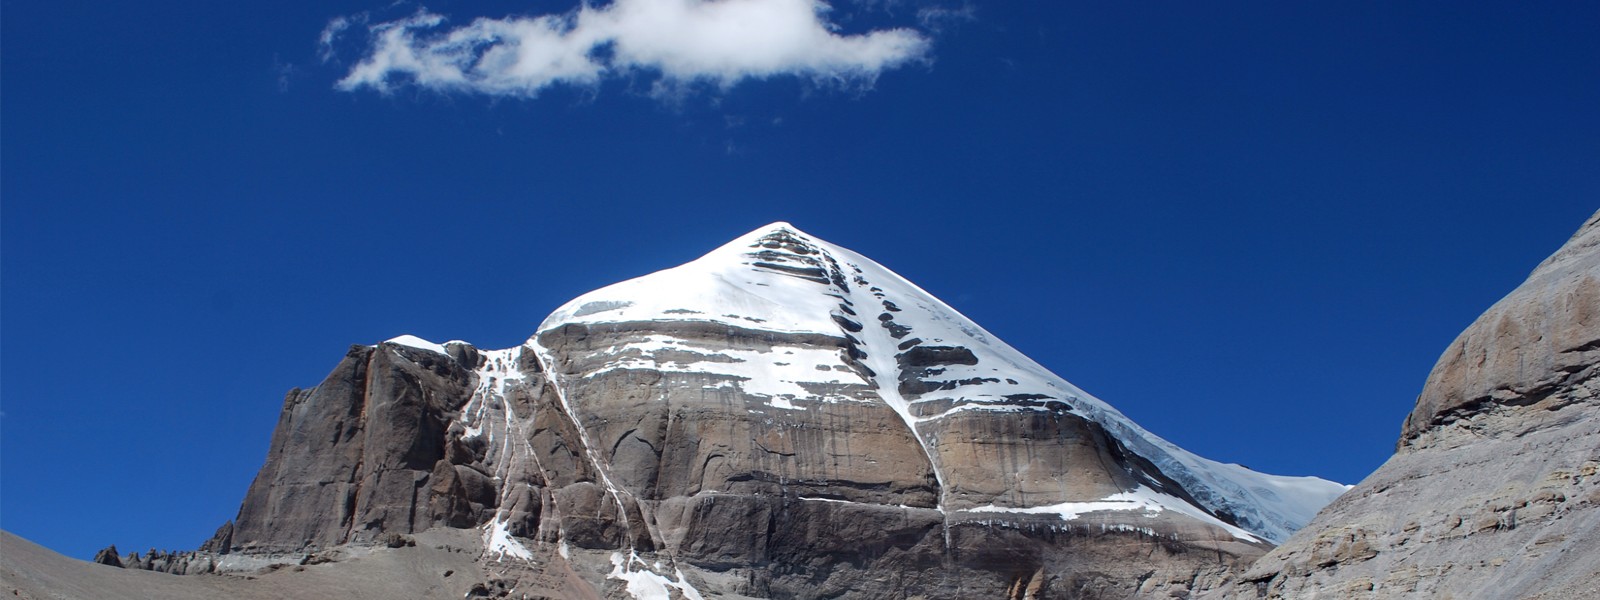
{"points": [[1026, 458], [676, 434], [383, 446], [351, 456], [829, 493]]}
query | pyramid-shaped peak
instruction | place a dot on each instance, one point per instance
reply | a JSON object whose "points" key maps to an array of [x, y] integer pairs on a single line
{"points": [[771, 231], [777, 226], [777, 243], [861, 332], [775, 276]]}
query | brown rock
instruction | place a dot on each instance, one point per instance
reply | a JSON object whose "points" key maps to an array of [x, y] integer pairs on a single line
{"points": [[349, 456]]}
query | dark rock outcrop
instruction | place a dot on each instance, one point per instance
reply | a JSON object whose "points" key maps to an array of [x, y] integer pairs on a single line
{"points": [[353, 458], [108, 556]]}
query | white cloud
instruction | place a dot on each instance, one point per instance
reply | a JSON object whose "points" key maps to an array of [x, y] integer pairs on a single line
{"points": [[682, 42], [329, 34]]}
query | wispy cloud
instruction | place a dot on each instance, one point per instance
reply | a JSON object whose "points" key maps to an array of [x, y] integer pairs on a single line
{"points": [[937, 18], [679, 42], [285, 71], [330, 33]]}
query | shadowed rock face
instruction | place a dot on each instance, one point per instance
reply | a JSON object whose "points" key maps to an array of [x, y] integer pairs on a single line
{"points": [[351, 458], [1494, 490]]}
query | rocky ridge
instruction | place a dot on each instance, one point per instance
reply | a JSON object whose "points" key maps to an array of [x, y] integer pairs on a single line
{"points": [[1494, 488]]}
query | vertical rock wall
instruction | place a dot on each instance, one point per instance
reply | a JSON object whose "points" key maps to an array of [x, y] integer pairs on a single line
{"points": [[351, 458]]}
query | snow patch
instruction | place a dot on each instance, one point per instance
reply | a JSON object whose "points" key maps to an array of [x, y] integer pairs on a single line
{"points": [[1141, 499], [645, 584], [499, 542], [755, 372], [782, 402], [412, 341]]}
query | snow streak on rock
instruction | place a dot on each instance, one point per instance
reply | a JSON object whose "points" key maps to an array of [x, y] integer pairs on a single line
{"points": [[546, 362], [489, 414]]}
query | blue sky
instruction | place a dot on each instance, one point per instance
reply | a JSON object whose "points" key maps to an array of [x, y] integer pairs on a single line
{"points": [[1251, 226]]}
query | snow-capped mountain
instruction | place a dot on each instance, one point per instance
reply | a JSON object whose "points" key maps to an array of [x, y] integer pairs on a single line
{"points": [[784, 418], [890, 342], [780, 418]]}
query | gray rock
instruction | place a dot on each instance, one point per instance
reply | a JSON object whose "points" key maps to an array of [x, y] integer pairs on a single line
{"points": [[1494, 489], [1540, 341]]}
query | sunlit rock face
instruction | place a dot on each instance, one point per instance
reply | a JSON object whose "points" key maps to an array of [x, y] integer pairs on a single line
{"points": [[1494, 489], [780, 418]]}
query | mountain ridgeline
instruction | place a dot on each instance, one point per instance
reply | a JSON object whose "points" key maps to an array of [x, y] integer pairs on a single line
{"points": [[785, 418], [780, 418]]}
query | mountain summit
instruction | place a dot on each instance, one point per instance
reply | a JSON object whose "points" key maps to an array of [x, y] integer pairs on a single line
{"points": [[780, 418], [845, 329]]}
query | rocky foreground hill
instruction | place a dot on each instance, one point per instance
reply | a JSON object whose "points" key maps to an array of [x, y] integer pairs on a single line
{"points": [[1494, 487], [787, 419]]}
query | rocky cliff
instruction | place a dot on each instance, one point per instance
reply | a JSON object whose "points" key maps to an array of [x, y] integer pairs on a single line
{"points": [[1494, 488], [782, 418], [355, 457]]}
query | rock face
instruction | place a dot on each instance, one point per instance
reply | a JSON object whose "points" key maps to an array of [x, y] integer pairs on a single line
{"points": [[1494, 489], [352, 458], [781, 418], [108, 556], [769, 408]]}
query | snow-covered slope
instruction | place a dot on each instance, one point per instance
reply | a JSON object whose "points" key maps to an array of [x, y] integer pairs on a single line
{"points": [[917, 354]]}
